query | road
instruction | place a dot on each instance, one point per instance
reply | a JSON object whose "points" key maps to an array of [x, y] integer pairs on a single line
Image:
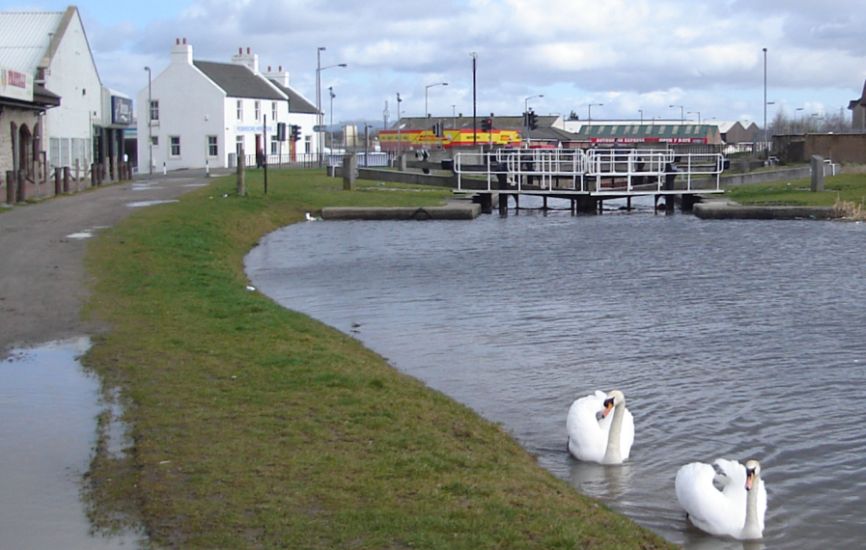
{"points": [[43, 284]]}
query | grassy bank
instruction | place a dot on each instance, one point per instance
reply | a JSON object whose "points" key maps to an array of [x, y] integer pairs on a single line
{"points": [[254, 426], [845, 190]]}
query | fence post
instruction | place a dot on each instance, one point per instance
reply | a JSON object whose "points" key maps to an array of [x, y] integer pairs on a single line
{"points": [[241, 184], [66, 179], [22, 186], [57, 188], [11, 187]]}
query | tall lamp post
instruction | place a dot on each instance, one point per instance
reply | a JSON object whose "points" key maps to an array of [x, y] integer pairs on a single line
{"points": [[399, 142], [319, 120], [474, 114], [149, 125], [426, 89], [331, 114], [696, 113], [641, 116], [589, 107], [765, 95], [682, 114]]}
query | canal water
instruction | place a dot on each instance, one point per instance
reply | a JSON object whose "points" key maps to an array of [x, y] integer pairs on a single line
{"points": [[736, 339]]}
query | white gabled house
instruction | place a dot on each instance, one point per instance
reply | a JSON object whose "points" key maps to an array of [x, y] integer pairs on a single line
{"points": [[201, 113]]}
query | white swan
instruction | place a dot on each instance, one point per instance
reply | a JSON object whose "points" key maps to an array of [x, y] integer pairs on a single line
{"points": [[737, 510], [595, 435], [310, 218]]}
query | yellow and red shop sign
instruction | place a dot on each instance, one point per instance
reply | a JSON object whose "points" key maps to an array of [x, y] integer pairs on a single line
{"points": [[426, 139]]}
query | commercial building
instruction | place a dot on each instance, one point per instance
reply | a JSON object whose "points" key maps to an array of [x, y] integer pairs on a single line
{"points": [[76, 124]]}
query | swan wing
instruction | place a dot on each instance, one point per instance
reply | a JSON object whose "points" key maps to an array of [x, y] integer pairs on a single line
{"points": [[716, 512], [627, 434], [762, 503], [587, 437]]}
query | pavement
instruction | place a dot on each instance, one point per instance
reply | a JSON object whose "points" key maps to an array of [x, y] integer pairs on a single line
{"points": [[43, 284]]}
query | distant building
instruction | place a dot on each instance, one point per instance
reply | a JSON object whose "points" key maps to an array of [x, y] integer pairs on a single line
{"points": [[203, 113], [858, 112]]}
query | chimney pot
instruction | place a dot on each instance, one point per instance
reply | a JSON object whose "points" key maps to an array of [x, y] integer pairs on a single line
{"points": [[184, 40], [240, 51], [280, 69], [177, 41], [248, 50]]}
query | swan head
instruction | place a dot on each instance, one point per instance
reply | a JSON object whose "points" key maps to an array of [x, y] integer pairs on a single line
{"points": [[753, 473], [613, 399]]}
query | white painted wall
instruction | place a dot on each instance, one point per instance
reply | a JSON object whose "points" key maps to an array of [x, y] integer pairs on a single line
{"points": [[72, 75]]}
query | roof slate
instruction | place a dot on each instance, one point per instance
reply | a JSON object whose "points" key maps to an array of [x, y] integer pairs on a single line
{"points": [[238, 80], [25, 37], [297, 102]]}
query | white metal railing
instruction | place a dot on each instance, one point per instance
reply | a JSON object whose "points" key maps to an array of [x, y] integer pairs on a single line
{"points": [[597, 171]]}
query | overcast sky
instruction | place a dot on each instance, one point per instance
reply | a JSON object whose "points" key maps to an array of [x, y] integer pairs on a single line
{"points": [[628, 55]]}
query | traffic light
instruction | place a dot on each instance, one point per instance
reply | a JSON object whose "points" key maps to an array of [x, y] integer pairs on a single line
{"points": [[487, 124], [281, 131], [437, 129], [533, 120], [296, 132]]}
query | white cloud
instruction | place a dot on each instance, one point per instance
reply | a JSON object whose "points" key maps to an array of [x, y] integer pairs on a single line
{"points": [[629, 54]]}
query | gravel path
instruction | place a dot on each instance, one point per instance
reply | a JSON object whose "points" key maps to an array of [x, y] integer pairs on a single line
{"points": [[43, 284]]}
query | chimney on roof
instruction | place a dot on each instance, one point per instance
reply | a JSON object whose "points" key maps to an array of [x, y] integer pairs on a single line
{"points": [[248, 59], [280, 76], [181, 52]]}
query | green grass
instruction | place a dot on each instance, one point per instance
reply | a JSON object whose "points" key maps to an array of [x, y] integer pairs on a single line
{"points": [[255, 426], [849, 188]]}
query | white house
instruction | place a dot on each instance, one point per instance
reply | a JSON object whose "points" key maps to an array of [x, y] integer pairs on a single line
{"points": [[201, 113]]}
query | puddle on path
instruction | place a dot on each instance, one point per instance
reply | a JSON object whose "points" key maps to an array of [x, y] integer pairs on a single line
{"points": [[141, 204], [49, 407]]}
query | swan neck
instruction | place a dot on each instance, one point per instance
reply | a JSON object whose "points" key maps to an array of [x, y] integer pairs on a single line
{"points": [[752, 529], [613, 453]]}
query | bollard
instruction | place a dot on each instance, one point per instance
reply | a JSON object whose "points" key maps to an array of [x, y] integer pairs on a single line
{"points": [[241, 184], [57, 188], [817, 173], [350, 171], [11, 187], [66, 175], [22, 186]]}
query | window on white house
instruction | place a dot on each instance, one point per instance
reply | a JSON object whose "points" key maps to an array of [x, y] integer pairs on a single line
{"points": [[274, 111], [274, 145], [212, 146], [258, 109], [154, 109], [239, 144], [174, 147], [154, 141], [308, 144], [239, 109]]}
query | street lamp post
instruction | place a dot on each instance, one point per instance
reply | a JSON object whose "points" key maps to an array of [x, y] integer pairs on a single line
{"points": [[696, 113], [589, 107], [426, 89], [399, 142], [474, 113], [641, 116], [799, 117], [331, 113], [319, 120], [149, 125], [765, 95], [682, 114]]}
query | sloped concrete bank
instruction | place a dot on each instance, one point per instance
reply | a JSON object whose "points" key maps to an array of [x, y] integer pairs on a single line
{"points": [[727, 210], [451, 211]]}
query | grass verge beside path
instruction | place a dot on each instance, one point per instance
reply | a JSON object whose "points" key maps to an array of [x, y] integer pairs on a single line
{"points": [[254, 426], [847, 191]]}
